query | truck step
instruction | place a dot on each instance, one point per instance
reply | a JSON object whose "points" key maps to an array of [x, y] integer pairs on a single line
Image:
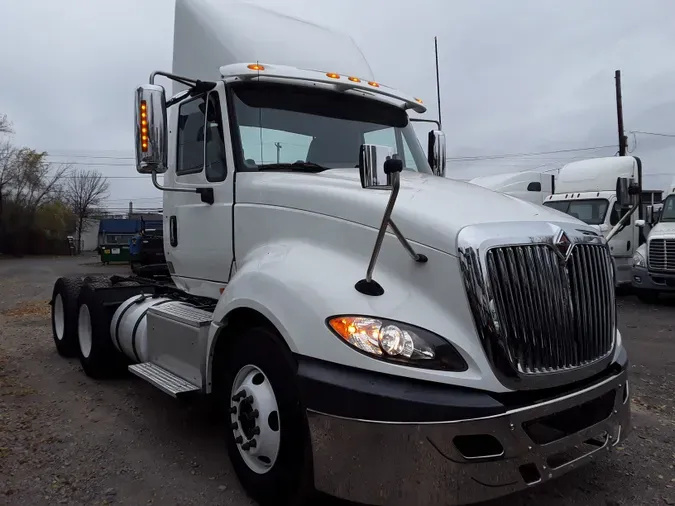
{"points": [[166, 381]]}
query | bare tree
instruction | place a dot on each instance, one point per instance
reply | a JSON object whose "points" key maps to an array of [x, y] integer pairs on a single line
{"points": [[84, 192], [5, 125]]}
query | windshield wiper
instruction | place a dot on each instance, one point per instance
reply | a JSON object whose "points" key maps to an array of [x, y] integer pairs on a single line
{"points": [[296, 166]]}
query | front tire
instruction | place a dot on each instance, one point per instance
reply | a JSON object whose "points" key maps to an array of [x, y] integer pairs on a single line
{"points": [[98, 355], [64, 315], [267, 433]]}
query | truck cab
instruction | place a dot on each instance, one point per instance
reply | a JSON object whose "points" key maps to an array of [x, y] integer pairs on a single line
{"points": [[653, 263], [365, 326], [586, 190]]}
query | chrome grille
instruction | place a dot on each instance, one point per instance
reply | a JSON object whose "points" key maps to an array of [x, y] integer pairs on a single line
{"points": [[661, 254], [542, 298], [552, 315]]}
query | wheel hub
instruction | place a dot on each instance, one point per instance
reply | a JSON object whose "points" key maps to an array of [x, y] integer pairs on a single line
{"points": [[254, 419]]}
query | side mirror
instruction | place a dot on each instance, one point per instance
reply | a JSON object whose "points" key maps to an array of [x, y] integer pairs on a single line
{"points": [[640, 223], [649, 215], [623, 195], [436, 152], [151, 129], [372, 161]]}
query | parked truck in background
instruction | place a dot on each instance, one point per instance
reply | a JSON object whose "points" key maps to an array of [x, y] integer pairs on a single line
{"points": [[654, 261], [531, 186], [369, 329], [587, 190]]}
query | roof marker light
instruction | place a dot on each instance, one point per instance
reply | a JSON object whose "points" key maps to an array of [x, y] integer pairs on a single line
{"points": [[374, 84], [419, 100], [333, 75], [355, 79], [255, 66]]}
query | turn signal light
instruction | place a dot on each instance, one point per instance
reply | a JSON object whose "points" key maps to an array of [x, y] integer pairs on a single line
{"points": [[144, 127]]}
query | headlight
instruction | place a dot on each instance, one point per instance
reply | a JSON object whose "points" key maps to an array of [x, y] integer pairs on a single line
{"points": [[638, 260], [397, 342]]}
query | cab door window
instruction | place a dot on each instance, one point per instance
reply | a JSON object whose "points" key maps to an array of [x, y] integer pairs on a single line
{"points": [[201, 146]]}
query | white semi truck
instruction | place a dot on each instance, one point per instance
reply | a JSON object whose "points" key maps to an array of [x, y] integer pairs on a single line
{"points": [[368, 329], [531, 186], [654, 261], [587, 190]]}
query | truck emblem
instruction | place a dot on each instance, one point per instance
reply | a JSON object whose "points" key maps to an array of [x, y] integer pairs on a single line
{"points": [[563, 245]]}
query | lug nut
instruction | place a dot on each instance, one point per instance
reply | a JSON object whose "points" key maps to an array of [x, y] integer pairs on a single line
{"points": [[252, 443], [248, 400], [239, 395], [255, 413], [234, 426], [239, 440], [256, 431], [233, 410]]}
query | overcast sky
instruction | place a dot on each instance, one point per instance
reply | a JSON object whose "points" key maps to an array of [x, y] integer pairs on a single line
{"points": [[517, 76]]}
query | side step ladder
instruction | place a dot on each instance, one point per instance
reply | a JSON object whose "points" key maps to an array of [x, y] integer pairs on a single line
{"points": [[166, 381]]}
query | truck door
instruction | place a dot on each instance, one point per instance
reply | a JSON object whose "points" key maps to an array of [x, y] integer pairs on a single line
{"points": [[198, 234], [623, 244]]}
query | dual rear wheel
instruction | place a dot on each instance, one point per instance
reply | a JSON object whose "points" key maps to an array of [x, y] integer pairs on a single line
{"points": [[266, 430]]}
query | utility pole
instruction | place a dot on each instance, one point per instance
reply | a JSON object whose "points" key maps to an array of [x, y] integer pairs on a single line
{"points": [[438, 85], [623, 140], [278, 146]]}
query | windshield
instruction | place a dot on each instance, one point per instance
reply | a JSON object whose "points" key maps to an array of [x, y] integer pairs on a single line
{"points": [[317, 129], [590, 211], [668, 211]]}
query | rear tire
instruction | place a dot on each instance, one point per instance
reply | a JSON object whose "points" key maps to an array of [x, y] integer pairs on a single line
{"points": [[98, 355], [278, 470], [648, 296], [64, 315]]}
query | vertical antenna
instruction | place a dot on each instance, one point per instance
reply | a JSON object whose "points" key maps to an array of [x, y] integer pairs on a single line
{"points": [[438, 84]]}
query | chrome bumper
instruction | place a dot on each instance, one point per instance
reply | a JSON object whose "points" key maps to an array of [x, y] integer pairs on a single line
{"points": [[402, 464]]}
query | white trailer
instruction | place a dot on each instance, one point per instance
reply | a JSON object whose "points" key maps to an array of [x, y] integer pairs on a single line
{"points": [[369, 329], [531, 186]]}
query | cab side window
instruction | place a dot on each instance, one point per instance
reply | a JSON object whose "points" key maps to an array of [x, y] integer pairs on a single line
{"points": [[200, 138]]}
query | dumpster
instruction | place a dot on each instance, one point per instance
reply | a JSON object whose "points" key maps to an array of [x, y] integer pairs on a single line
{"points": [[113, 253]]}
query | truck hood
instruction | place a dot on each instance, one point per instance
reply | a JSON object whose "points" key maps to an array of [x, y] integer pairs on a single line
{"points": [[430, 210], [663, 230]]}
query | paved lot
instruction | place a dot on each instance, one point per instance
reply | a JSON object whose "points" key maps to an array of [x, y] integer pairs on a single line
{"points": [[66, 439]]}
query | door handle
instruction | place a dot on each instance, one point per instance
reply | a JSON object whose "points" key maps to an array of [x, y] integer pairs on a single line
{"points": [[628, 246], [173, 231]]}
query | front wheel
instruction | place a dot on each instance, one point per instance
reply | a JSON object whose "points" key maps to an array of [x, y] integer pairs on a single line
{"points": [[267, 434]]}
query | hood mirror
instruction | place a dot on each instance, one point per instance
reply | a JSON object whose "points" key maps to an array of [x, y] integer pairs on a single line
{"points": [[372, 160], [380, 169]]}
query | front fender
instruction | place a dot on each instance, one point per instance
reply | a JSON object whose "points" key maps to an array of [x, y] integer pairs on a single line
{"points": [[298, 285]]}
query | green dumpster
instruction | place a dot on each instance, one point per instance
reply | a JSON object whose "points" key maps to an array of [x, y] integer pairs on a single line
{"points": [[115, 253]]}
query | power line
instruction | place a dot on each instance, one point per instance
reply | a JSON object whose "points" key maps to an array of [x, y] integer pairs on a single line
{"points": [[657, 134], [518, 155]]}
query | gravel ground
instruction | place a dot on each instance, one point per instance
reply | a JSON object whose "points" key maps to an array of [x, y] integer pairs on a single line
{"points": [[66, 439]]}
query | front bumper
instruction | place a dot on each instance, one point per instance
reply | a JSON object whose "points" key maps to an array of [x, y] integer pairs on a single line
{"points": [[467, 460], [643, 279]]}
